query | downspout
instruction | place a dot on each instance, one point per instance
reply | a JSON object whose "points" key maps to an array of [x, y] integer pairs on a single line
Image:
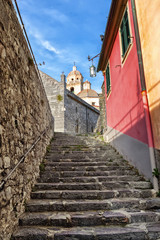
{"points": [[144, 97]]}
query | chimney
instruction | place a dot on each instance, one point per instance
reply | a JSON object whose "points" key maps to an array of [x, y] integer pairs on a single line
{"points": [[63, 79]]}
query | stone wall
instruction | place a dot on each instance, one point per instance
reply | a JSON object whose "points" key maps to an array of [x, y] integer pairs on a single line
{"points": [[102, 121], [55, 95], [24, 114]]}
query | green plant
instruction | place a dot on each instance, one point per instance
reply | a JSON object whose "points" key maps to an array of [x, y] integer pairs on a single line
{"points": [[158, 194], [156, 173], [52, 139], [59, 98], [42, 167], [48, 148], [98, 133], [101, 138]]}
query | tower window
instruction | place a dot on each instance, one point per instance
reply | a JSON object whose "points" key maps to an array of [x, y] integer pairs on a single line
{"points": [[72, 89]]}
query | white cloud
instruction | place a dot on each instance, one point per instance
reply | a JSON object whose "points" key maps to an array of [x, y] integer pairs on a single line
{"points": [[56, 15], [47, 45]]}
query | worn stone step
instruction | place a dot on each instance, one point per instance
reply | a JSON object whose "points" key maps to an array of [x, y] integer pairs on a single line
{"points": [[86, 163], [67, 219], [74, 153], [89, 158], [149, 231], [117, 172], [68, 186], [36, 205], [93, 186], [92, 194], [86, 168], [88, 179], [87, 218]]}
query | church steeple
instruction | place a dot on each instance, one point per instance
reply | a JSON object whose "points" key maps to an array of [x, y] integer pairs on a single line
{"points": [[74, 68], [75, 81]]}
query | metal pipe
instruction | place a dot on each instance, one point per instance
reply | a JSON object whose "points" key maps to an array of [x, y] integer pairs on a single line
{"points": [[144, 97]]}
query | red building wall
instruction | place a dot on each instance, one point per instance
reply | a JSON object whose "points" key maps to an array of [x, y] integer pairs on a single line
{"points": [[125, 111]]}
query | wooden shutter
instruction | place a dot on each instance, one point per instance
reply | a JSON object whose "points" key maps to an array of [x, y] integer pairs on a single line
{"points": [[125, 33], [108, 79]]}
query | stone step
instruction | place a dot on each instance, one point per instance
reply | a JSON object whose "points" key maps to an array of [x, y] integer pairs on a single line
{"points": [[36, 205], [92, 194], [117, 172], [73, 152], [149, 231], [89, 193], [88, 218], [85, 163], [93, 186], [65, 157], [88, 179], [86, 168]]}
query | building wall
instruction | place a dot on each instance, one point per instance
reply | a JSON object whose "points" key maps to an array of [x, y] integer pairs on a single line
{"points": [[55, 95], [86, 85], [125, 112], [148, 15], [80, 117], [91, 100], [24, 114]]}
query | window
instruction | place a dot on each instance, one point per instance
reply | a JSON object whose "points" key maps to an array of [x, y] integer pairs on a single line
{"points": [[72, 89], [125, 33], [93, 103], [108, 81]]}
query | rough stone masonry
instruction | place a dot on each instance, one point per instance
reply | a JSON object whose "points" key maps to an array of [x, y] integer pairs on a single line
{"points": [[24, 114]]}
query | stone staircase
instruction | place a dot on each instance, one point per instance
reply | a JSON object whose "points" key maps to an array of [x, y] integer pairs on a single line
{"points": [[87, 191]]}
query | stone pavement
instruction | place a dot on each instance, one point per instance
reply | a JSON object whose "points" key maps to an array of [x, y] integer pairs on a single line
{"points": [[87, 191]]}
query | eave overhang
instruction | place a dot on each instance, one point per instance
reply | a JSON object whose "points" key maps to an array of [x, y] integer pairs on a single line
{"points": [[112, 27]]}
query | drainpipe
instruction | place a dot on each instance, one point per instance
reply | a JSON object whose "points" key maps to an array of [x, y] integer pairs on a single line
{"points": [[144, 97]]}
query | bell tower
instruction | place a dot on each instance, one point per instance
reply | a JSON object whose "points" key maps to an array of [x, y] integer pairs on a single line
{"points": [[75, 81]]}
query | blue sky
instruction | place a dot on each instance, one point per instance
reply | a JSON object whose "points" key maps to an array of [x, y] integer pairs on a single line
{"points": [[62, 32]]}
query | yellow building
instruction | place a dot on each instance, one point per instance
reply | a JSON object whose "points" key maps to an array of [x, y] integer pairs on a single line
{"points": [[148, 17]]}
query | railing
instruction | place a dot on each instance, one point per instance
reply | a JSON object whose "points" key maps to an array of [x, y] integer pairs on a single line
{"points": [[3, 182]]}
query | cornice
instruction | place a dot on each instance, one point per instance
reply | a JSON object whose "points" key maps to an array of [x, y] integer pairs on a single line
{"points": [[112, 27]]}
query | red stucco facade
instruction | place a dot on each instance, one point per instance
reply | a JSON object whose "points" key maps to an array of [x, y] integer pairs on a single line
{"points": [[125, 111]]}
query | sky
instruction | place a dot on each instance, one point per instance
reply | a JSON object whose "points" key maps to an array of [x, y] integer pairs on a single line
{"points": [[62, 32]]}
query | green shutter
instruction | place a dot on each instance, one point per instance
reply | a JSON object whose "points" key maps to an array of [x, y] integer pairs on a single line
{"points": [[108, 82], [125, 33]]}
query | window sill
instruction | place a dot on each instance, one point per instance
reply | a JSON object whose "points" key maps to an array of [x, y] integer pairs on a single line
{"points": [[127, 53], [108, 94]]}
